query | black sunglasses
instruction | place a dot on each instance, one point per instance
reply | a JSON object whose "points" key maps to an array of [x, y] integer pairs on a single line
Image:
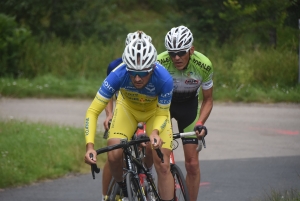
{"points": [[142, 73], [180, 53]]}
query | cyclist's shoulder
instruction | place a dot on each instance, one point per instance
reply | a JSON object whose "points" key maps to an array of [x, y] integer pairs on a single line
{"points": [[163, 54], [164, 58], [118, 73], [161, 72], [116, 62], [198, 56], [161, 79], [199, 63], [112, 65]]}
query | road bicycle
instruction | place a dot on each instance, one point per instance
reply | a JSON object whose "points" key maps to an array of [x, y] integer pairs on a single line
{"points": [[134, 167], [180, 187], [114, 192]]}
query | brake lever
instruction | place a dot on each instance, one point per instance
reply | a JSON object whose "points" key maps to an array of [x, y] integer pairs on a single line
{"points": [[199, 147], [159, 153], [200, 143], [94, 167], [203, 142]]}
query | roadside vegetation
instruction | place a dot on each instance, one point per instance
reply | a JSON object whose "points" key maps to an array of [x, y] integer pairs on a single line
{"points": [[32, 152], [249, 65], [287, 195], [241, 74]]}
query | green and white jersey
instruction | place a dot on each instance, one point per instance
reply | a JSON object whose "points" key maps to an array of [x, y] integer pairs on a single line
{"points": [[187, 82]]}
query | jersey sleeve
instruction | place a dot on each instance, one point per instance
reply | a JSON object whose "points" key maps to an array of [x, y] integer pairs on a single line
{"points": [[91, 117], [163, 105], [208, 79], [207, 71], [108, 88], [163, 58]]}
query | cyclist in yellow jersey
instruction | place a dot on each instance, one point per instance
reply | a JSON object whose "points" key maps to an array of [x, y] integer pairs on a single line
{"points": [[112, 65], [106, 174], [145, 91], [192, 72]]}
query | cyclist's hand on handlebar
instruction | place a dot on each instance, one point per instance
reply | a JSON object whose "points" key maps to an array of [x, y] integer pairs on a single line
{"points": [[90, 155], [201, 131], [155, 144]]}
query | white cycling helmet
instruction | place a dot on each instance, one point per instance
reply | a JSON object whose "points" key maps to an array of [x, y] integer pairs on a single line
{"points": [[138, 50], [135, 35], [179, 38]]}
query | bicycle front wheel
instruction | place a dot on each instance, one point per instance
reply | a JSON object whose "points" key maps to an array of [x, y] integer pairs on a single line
{"points": [[134, 189], [180, 190], [114, 191]]}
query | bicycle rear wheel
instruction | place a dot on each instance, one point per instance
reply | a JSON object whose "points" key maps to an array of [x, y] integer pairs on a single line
{"points": [[134, 189], [181, 190]]}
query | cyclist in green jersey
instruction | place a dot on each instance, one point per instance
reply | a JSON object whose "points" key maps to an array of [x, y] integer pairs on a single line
{"points": [[192, 72]]}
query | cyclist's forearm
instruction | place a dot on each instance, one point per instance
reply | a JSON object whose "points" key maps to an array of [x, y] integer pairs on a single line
{"points": [[90, 127], [205, 110], [109, 109], [96, 107], [206, 106], [89, 146]]}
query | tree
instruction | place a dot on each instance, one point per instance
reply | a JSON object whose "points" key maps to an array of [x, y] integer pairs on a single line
{"points": [[229, 19], [12, 38], [68, 19]]}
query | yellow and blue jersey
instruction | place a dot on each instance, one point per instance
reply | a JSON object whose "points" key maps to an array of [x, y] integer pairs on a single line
{"points": [[155, 96]]}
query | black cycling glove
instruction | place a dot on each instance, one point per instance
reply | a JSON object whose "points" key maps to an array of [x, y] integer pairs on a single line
{"points": [[199, 128]]}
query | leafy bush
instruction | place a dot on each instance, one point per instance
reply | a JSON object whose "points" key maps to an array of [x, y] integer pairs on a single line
{"points": [[74, 20], [11, 45]]}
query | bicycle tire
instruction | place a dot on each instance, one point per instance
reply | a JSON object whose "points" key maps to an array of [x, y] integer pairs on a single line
{"points": [[134, 189], [114, 192], [151, 190], [180, 189]]}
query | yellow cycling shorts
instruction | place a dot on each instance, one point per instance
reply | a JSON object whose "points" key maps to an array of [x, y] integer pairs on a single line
{"points": [[125, 121]]}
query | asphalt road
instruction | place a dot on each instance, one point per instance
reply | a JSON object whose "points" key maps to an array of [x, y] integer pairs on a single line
{"points": [[252, 151]]}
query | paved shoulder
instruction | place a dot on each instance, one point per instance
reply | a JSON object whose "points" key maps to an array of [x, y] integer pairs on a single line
{"points": [[70, 112]]}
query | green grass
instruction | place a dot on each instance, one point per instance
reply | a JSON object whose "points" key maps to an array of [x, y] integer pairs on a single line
{"points": [[31, 152], [49, 86], [242, 72], [287, 195], [251, 94]]}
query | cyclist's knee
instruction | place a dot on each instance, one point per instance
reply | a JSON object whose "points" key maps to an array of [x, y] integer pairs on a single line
{"points": [[114, 156], [192, 166], [162, 168]]}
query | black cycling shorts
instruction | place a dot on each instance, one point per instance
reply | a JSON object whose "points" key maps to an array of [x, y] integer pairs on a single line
{"points": [[185, 114]]}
